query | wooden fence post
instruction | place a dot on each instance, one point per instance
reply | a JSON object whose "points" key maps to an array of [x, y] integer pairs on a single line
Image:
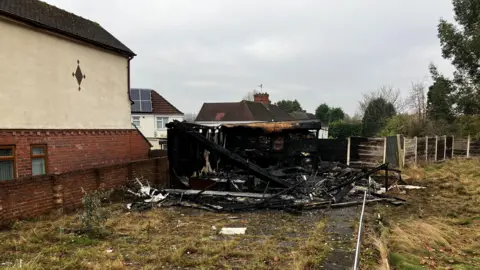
{"points": [[468, 146], [416, 148], [445, 147], [436, 147], [348, 151], [426, 149]]}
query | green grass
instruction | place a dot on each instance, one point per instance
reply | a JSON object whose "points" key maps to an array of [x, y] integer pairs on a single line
{"points": [[438, 228], [170, 238]]}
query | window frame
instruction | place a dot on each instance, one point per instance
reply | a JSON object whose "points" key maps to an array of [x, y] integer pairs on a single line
{"points": [[44, 156], [133, 121], [13, 158], [164, 121]]}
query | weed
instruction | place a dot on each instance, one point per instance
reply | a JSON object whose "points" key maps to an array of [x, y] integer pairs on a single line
{"points": [[94, 216]]}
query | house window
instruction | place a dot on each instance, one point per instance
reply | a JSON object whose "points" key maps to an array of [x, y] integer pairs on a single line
{"points": [[7, 162], [39, 159], [161, 122], [136, 121]]}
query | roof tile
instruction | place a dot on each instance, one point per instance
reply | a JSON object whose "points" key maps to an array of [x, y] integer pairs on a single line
{"points": [[242, 111], [43, 15]]}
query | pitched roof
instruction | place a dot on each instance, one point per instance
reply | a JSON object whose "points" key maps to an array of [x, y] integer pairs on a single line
{"points": [[159, 104], [299, 115], [40, 14], [242, 111]]}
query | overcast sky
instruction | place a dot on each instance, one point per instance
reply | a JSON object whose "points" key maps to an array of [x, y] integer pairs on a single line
{"points": [[316, 51]]}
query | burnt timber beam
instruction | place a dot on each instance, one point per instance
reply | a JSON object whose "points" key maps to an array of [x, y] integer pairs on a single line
{"points": [[232, 157]]}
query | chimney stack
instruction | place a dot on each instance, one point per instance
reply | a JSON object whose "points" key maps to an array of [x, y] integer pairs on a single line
{"points": [[262, 98]]}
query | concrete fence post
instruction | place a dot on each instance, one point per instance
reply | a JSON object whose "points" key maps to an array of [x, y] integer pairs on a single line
{"points": [[468, 146], [403, 151], [426, 149], [384, 149], [416, 149], [436, 147], [444, 147], [453, 145], [348, 150]]}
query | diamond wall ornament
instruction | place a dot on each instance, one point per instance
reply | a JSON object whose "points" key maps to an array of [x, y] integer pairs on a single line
{"points": [[78, 75]]}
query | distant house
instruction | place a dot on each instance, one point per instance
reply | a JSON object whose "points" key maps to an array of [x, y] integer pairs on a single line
{"points": [[304, 116], [258, 110], [300, 115], [150, 113], [65, 93]]}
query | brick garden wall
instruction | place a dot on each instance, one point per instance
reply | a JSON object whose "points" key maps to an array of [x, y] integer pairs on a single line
{"points": [[70, 150], [32, 196]]}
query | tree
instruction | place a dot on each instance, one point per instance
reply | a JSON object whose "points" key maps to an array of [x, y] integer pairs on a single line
{"points": [[289, 105], [387, 93], [322, 112], [460, 44], [408, 125], [336, 114], [250, 95], [417, 100], [376, 114], [439, 97], [328, 114], [343, 130]]}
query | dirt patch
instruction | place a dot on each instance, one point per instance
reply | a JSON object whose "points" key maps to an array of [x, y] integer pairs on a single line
{"points": [[340, 230]]}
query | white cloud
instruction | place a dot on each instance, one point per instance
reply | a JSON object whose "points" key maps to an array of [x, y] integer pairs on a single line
{"points": [[313, 50]]}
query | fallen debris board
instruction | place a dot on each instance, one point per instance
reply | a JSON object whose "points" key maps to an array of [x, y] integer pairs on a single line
{"points": [[223, 193], [233, 231]]}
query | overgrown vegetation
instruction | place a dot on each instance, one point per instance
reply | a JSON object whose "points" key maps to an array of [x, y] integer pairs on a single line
{"points": [[439, 227], [173, 238], [94, 215]]}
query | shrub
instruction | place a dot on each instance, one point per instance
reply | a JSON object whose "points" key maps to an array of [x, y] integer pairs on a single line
{"points": [[343, 130], [94, 216]]}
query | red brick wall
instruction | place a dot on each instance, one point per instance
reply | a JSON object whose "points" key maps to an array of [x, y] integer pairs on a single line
{"points": [[70, 150], [32, 196]]}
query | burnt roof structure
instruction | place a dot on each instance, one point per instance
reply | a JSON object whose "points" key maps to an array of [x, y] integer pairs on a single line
{"points": [[42, 15]]}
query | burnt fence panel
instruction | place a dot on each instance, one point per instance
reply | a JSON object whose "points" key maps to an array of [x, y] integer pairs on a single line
{"points": [[333, 150]]}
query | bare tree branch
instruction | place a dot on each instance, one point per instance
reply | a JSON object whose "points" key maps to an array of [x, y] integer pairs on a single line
{"points": [[417, 99], [388, 93]]}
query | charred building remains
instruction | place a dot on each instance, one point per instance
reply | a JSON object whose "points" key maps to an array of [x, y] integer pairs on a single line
{"points": [[274, 165]]}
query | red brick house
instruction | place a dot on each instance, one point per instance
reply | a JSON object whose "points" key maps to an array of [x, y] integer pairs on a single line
{"points": [[258, 110], [65, 101]]}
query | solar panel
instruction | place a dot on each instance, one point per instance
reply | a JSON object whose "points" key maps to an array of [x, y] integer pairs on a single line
{"points": [[142, 99], [145, 95], [136, 107], [135, 94], [146, 106]]}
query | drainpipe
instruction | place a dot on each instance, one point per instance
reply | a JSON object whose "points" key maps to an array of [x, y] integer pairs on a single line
{"points": [[128, 82]]}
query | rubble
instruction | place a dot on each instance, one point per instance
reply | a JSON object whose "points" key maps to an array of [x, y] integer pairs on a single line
{"points": [[214, 174]]}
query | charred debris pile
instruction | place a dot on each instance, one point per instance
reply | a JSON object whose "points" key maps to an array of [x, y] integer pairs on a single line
{"points": [[256, 166]]}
